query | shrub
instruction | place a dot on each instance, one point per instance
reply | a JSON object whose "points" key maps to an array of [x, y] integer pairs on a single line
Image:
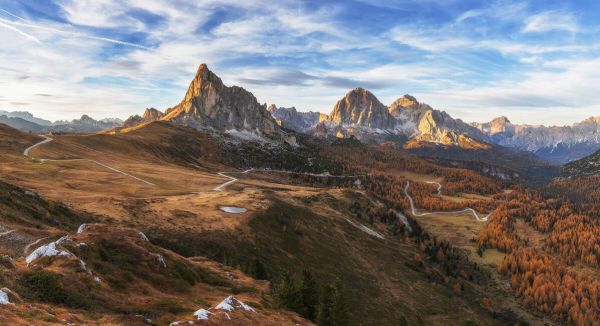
{"points": [[48, 287]]}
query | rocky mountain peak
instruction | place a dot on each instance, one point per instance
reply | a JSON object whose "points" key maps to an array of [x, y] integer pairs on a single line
{"points": [[86, 118], [500, 120], [359, 107], [406, 102], [496, 126], [209, 104], [152, 114]]}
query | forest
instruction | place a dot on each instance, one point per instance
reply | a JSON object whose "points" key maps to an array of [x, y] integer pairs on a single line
{"points": [[551, 278]]}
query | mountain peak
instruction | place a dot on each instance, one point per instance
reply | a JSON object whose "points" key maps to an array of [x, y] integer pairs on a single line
{"points": [[152, 114], [210, 104], [501, 120], [359, 107], [406, 103]]}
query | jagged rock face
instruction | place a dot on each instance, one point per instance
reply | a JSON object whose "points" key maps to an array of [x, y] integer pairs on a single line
{"points": [[557, 144], [152, 114], [149, 115], [440, 127], [292, 119], [209, 104], [360, 108], [421, 122], [496, 126]]}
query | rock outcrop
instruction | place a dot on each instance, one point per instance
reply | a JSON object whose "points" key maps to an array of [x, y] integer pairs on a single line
{"points": [[149, 115], [440, 127]]}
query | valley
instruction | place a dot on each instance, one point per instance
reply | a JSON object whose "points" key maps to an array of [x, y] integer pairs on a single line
{"points": [[209, 214], [165, 213]]}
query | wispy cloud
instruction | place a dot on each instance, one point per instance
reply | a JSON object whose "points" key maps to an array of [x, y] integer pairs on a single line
{"points": [[551, 21], [14, 29], [69, 33]]}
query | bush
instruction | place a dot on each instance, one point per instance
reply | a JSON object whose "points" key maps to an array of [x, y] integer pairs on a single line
{"points": [[170, 306], [48, 287]]}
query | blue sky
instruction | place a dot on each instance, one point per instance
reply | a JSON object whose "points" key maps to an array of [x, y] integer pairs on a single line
{"points": [[533, 61]]}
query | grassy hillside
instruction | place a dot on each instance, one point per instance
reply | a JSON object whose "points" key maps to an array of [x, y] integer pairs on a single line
{"points": [[379, 277], [15, 141]]}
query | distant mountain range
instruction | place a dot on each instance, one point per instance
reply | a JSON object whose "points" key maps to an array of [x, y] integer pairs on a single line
{"points": [[210, 105], [26, 122], [360, 114], [557, 144]]}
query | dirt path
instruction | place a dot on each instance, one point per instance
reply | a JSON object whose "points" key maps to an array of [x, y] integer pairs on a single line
{"points": [[49, 139], [466, 210]]}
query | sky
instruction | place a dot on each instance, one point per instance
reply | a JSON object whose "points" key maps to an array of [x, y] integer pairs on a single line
{"points": [[536, 62]]}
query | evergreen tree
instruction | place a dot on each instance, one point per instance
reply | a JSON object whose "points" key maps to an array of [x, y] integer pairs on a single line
{"points": [[256, 269], [403, 321], [324, 317], [339, 312], [287, 293], [332, 309], [310, 296]]}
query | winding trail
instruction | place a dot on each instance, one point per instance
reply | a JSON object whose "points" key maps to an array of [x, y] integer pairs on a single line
{"points": [[46, 140], [49, 139], [466, 210], [230, 181], [439, 188], [233, 180]]}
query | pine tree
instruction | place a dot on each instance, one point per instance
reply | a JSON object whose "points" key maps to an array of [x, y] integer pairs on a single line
{"points": [[309, 294], [324, 317], [287, 293], [332, 309], [339, 312], [403, 321]]}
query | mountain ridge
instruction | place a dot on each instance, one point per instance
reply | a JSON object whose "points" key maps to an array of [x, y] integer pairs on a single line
{"points": [[559, 144]]}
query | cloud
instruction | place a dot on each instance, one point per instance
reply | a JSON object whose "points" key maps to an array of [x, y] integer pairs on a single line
{"points": [[551, 21], [564, 94], [285, 77], [498, 11], [12, 28], [71, 33], [347, 83]]}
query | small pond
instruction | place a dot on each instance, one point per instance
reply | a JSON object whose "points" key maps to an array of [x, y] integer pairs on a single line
{"points": [[232, 209]]}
